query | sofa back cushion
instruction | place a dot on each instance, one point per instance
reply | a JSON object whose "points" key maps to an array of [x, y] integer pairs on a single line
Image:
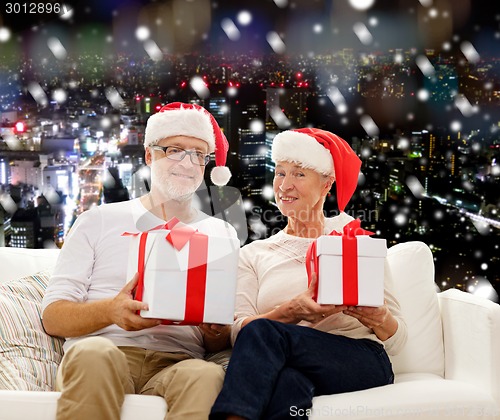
{"points": [[20, 262], [28, 356], [411, 266]]}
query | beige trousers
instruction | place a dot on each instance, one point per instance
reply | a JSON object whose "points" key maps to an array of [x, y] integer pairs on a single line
{"points": [[95, 375]]}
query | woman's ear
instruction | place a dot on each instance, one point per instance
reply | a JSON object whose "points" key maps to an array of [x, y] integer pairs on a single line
{"points": [[329, 183]]}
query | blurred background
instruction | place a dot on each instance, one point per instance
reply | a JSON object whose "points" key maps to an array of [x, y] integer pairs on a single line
{"points": [[413, 86]]}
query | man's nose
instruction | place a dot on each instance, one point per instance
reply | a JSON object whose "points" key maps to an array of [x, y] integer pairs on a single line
{"points": [[186, 161]]}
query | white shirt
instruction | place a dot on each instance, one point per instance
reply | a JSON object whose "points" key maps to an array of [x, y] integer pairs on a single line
{"points": [[273, 271], [93, 263]]}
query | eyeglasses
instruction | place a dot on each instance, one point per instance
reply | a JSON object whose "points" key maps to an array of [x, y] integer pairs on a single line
{"points": [[176, 153]]}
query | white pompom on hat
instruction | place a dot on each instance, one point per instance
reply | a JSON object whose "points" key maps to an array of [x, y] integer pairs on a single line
{"points": [[191, 120], [323, 152]]}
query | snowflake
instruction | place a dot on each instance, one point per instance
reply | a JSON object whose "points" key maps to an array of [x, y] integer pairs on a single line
{"points": [[66, 12], [400, 219], [403, 143], [463, 104], [113, 96], [142, 33], [369, 125], [423, 95], [433, 13], [276, 42], [38, 93], [8, 203], [153, 50], [57, 48], [398, 58], [244, 18], [362, 32], [59, 95], [230, 29], [438, 215], [455, 126], [256, 126], [469, 51], [232, 91], [200, 87], [425, 65], [281, 3], [279, 117], [5, 34], [317, 28], [268, 192], [361, 4], [106, 123]]}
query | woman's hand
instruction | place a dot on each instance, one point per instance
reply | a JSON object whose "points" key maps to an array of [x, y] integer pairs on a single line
{"points": [[304, 308], [379, 319]]}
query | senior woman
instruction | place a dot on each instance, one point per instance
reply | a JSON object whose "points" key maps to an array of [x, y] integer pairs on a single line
{"points": [[288, 347]]}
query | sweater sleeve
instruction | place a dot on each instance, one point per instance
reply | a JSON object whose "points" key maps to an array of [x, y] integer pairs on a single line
{"points": [[71, 277], [247, 290]]}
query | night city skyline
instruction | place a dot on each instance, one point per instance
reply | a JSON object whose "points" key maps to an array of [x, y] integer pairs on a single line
{"points": [[414, 88]]}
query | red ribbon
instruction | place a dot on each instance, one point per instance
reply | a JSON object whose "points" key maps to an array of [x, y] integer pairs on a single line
{"points": [[349, 261], [178, 236]]}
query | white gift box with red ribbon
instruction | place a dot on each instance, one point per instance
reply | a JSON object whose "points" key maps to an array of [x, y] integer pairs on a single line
{"points": [[350, 267], [185, 276]]}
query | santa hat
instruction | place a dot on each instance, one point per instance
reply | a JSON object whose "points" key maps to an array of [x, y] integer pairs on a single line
{"points": [[180, 119], [323, 152]]}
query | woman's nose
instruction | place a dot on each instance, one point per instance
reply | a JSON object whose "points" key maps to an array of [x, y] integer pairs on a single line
{"points": [[286, 184]]}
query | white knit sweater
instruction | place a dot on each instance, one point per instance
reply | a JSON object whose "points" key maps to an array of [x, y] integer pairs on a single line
{"points": [[273, 271]]}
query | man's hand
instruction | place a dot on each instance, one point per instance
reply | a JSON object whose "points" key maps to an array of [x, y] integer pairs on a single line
{"points": [[215, 336], [123, 309]]}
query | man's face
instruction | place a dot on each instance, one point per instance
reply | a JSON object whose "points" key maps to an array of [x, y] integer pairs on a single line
{"points": [[176, 179]]}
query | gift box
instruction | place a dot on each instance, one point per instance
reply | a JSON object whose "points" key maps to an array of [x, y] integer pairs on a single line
{"points": [[350, 267], [185, 276]]}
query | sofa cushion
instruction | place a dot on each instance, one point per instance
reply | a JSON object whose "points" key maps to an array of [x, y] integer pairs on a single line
{"points": [[20, 262], [28, 356], [415, 397], [411, 265]]}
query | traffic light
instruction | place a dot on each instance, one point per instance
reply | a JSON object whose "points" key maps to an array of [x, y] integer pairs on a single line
{"points": [[20, 127]]}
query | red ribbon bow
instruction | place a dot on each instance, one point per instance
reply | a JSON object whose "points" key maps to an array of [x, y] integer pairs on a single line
{"points": [[349, 261], [178, 236]]}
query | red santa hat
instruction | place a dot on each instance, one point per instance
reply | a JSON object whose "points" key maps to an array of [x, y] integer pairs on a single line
{"points": [[180, 119], [323, 152]]}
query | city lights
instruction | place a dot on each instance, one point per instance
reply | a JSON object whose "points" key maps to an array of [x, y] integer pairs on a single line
{"points": [[414, 90]]}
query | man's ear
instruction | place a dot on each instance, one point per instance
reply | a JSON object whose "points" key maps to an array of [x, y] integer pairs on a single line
{"points": [[147, 156]]}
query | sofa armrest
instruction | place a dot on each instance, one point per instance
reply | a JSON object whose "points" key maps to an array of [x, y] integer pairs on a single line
{"points": [[471, 327]]}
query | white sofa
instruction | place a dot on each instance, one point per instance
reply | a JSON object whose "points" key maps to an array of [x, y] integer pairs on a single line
{"points": [[450, 366]]}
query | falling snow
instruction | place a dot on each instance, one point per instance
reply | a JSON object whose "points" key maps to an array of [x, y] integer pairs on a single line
{"points": [[200, 87], [422, 91], [363, 33], [276, 42], [231, 30]]}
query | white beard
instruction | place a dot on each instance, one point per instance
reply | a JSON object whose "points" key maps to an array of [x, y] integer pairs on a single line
{"points": [[166, 184]]}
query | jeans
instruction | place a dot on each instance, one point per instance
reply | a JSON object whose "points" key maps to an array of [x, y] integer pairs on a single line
{"points": [[276, 369]]}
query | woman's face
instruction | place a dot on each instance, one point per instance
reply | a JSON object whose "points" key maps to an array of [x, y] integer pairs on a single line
{"points": [[299, 192]]}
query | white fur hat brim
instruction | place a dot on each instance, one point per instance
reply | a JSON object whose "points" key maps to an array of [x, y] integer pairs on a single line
{"points": [[292, 146], [180, 122]]}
